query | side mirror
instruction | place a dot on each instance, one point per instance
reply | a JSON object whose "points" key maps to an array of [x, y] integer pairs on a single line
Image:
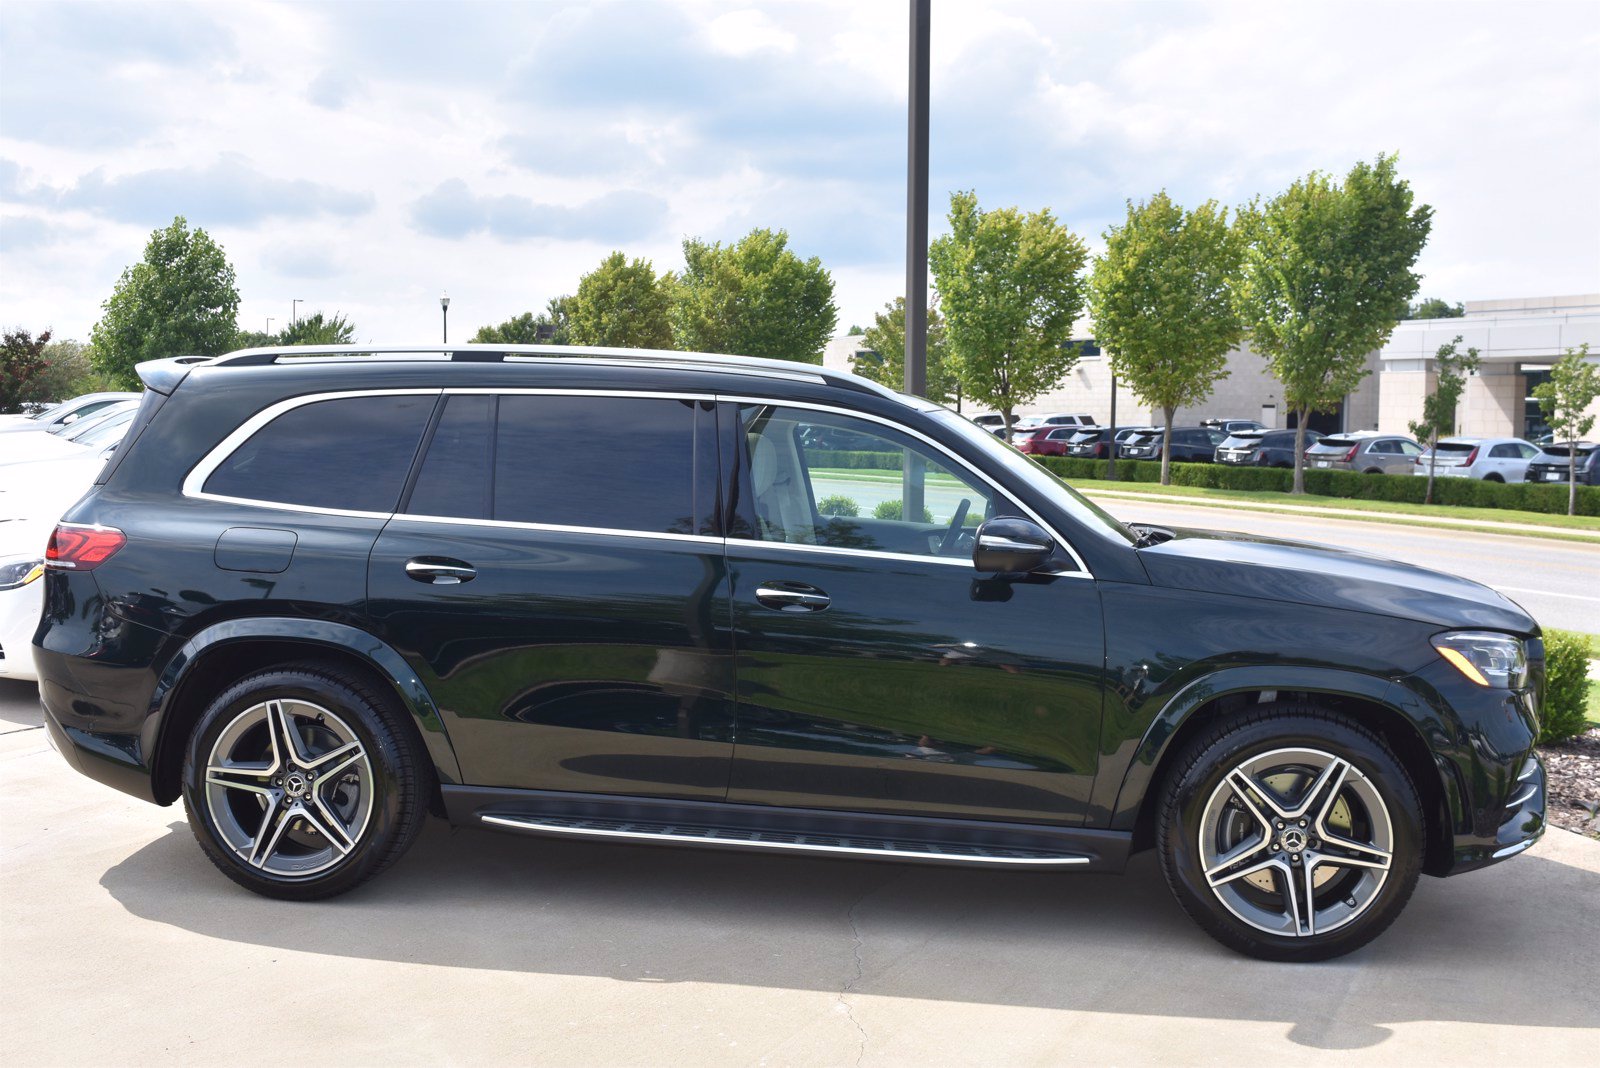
{"points": [[1009, 544]]}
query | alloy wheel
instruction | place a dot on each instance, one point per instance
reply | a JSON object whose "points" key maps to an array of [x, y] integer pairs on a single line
{"points": [[1296, 842], [289, 787]]}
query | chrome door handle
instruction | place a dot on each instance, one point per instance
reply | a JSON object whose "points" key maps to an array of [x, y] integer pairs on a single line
{"points": [[792, 597], [440, 572]]}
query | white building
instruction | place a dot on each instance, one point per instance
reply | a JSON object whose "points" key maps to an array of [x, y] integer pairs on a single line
{"points": [[1517, 341]]}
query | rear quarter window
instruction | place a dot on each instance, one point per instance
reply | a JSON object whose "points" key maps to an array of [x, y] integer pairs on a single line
{"points": [[345, 453]]}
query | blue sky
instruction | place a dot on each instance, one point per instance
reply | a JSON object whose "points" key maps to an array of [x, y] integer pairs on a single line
{"points": [[362, 157]]}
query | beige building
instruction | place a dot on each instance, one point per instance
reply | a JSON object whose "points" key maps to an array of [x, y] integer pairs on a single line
{"points": [[1517, 342]]}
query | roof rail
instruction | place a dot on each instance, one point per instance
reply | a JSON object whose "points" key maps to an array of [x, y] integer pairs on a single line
{"points": [[488, 353]]}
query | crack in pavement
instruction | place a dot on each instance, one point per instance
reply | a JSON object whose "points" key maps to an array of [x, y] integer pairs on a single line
{"points": [[855, 932]]}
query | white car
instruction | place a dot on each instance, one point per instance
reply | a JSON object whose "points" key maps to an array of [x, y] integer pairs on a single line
{"points": [[21, 594], [62, 415], [1491, 459], [102, 428]]}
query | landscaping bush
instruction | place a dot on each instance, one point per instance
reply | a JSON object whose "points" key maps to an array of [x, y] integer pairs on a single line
{"points": [[896, 509], [838, 504], [856, 460], [1404, 489], [1566, 686]]}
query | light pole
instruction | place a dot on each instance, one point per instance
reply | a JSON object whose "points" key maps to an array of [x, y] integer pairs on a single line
{"points": [[1111, 431], [294, 311], [916, 380], [269, 328], [444, 309]]}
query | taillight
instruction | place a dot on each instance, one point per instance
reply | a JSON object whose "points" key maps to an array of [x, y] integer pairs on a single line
{"points": [[1471, 456], [76, 547], [1351, 455]]}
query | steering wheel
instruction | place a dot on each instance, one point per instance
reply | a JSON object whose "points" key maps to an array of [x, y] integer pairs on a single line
{"points": [[953, 534]]}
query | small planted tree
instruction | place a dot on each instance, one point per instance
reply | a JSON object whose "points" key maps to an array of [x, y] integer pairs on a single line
{"points": [[1163, 306], [622, 304], [1573, 386], [22, 368], [754, 297], [318, 329], [1010, 287], [549, 327], [1327, 274], [1451, 368], [885, 362]]}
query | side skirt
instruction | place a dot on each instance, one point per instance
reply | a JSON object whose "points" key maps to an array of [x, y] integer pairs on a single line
{"points": [[768, 829]]}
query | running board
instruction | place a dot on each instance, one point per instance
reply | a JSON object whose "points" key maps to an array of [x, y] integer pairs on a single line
{"points": [[783, 842]]}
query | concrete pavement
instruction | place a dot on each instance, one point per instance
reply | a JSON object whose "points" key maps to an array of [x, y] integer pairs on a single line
{"points": [[122, 945]]}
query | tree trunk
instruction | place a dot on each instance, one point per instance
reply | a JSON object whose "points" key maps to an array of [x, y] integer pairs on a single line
{"points": [[1433, 456], [1166, 448], [1005, 422], [1572, 478], [1302, 414]]}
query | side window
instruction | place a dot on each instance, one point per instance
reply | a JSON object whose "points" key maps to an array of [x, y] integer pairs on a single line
{"points": [[1504, 452], [1410, 448], [350, 453], [1384, 448], [1061, 435], [454, 478], [623, 463], [1527, 452], [858, 499]]}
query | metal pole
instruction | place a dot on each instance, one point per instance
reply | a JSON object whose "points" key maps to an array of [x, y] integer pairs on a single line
{"points": [[445, 310], [1111, 432], [294, 312], [916, 381]]}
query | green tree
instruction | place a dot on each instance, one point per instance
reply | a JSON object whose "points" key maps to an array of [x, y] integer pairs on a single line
{"points": [[1010, 286], [884, 358], [22, 365], [252, 339], [1434, 308], [69, 373], [318, 329], [549, 327], [1451, 367], [622, 304], [753, 298], [1163, 304], [1565, 399], [1327, 274], [180, 300]]}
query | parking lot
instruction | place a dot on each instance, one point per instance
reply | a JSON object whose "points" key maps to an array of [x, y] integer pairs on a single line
{"points": [[124, 946]]}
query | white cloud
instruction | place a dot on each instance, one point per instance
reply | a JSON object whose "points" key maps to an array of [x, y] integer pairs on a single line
{"points": [[742, 33]]}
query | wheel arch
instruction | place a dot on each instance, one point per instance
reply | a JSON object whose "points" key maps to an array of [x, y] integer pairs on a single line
{"points": [[1377, 703], [229, 650]]}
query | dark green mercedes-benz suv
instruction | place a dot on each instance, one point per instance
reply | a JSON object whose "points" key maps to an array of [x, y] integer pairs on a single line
{"points": [[646, 597]]}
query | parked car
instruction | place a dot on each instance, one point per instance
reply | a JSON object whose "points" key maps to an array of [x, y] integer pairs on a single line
{"points": [[103, 426], [1491, 459], [1190, 444], [1060, 419], [1262, 448], [1096, 442], [1228, 426], [1551, 465], [61, 415], [316, 599], [1366, 451], [994, 424]]}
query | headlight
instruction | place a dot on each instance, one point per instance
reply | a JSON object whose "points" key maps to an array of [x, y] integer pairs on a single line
{"points": [[19, 571], [1487, 659]]}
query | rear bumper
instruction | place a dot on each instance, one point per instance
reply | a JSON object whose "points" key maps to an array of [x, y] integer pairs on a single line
{"points": [[111, 757]]}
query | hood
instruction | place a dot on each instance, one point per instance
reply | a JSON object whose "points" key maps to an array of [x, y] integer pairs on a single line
{"points": [[1299, 573]]}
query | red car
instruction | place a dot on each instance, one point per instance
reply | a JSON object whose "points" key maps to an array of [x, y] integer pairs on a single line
{"points": [[1048, 441]]}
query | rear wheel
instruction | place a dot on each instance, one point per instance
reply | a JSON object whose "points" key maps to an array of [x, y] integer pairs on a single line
{"points": [[303, 782], [1291, 834], [1493, 478]]}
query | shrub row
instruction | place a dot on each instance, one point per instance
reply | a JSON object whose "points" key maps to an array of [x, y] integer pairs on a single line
{"points": [[1406, 489], [1566, 686], [841, 458]]}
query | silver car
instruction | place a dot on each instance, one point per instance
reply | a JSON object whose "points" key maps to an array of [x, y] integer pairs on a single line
{"points": [[1491, 459], [1366, 451]]}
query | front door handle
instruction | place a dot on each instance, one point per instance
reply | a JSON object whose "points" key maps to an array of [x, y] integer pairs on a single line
{"points": [[792, 597], [439, 570]]}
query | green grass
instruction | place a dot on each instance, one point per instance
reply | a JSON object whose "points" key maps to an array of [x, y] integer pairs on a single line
{"points": [[1488, 515]]}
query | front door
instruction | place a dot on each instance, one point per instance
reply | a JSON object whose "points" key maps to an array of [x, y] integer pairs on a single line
{"points": [[877, 670], [556, 581]]}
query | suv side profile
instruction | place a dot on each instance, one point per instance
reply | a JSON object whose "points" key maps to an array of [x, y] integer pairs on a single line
{"points": [[320, 593], [1262, 448], [1366, 451]]}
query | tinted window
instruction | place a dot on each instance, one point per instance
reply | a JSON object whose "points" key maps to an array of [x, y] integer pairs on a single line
{"points": [[624, 463], [1505, 452], [352, 453], [1456, 447], [454, 479]]}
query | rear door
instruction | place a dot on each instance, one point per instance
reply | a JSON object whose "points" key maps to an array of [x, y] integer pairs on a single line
{"points": [[561, 592]]}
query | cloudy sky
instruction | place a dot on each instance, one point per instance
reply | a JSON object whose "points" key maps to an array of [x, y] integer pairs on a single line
{"points": [[362, 157]]}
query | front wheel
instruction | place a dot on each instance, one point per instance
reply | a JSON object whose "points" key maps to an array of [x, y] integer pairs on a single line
{"points": [[303, 782], [1291, 834]]}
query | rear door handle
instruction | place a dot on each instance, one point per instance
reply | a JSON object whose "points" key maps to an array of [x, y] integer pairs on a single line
{"points": [[439, 570], [792, 597]]}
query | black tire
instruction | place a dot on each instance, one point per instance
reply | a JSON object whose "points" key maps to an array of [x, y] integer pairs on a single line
{"points": [[1194, 788], [1494, 478], [1373, 471], [395, 776]]}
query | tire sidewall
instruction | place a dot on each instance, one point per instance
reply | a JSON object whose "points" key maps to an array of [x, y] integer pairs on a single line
{"points": [[376, 739], [1186, 804]]}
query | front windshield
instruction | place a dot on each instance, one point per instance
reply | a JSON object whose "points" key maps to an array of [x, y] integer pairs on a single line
{"points": [[1083, 437], [1039, 477]]}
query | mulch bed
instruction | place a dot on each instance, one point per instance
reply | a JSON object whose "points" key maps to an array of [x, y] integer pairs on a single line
{"points": [[1572, 774]]}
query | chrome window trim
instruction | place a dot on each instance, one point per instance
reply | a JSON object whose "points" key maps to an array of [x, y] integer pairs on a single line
{"points": [[956, 461], [195, 480]]}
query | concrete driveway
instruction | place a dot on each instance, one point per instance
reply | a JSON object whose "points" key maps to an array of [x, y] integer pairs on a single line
{"points": [[122, 945]]}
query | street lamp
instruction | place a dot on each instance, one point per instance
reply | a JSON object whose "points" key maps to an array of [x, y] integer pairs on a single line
{"points": [[294, 311], [444, 309], [269, 328]]}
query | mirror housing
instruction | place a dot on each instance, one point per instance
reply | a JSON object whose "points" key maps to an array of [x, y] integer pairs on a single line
{"points": [[1010, 545]]}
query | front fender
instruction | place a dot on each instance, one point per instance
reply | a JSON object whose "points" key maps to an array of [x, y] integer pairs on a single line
{"points": [[312, 633]]}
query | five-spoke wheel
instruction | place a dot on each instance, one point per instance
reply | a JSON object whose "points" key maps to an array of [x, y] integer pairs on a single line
{"points": [[1291, 833]]}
